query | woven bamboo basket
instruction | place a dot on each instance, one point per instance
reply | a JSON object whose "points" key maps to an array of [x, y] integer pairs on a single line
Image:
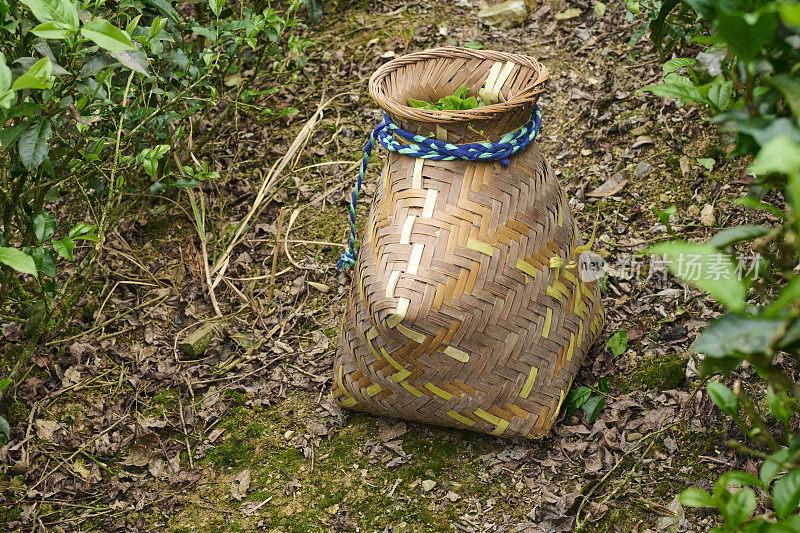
{"points": [[467, 308]]}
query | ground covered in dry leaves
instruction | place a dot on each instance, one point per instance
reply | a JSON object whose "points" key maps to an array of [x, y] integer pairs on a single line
{"points": [[115, 429]]}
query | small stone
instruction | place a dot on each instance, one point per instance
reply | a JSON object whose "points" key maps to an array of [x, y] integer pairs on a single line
{"points": [[707, 216], [642, 170], [693, 211], [452, 496], [664, 197], [197, 342], [428, 485], [504, 15], [288, 435]]}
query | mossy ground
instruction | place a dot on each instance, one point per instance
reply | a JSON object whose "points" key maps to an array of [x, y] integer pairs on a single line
{"points": [[306, 494], [654, 372]]}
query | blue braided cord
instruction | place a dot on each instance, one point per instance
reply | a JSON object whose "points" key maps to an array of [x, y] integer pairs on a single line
{"points": [[387, 132]]}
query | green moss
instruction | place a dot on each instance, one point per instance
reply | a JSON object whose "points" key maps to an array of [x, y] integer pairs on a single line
{"points": [[223, 526], [158, 227], [166, 400], [660, 372], [16, 412], [10, 514], [673, 164], [617, 520], [238, 397], [72, 413]]}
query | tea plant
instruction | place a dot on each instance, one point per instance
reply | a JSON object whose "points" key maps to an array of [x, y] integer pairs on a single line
{"points": [[93, 98], [747, 77]]}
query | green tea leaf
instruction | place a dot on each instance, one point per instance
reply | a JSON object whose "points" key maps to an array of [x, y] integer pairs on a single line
{"points": [[107, 36], [786, 494], [747, 33], [675, 90], [738, 478], [81, 229], [7, 96], [459, 100], [723, 397], [773, 464], [740, 506], [705, 267], [64, 247], [205, 32], [695, 498], [678, 63], [733, 334], [618, 343], [33, 147], [790, 87], [737, 234], [136, 60], [752, 203], [39, 76], [44, 260], [790, 13], [779, 405], [52, 30], [5, 428], [593, 407], [781, 154], [216, 6], [61, 11], [44, 226], [720, 95], [18, 260], [576, 398]]}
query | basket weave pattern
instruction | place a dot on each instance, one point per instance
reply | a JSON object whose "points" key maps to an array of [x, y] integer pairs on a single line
{"points": [[466, 308]]}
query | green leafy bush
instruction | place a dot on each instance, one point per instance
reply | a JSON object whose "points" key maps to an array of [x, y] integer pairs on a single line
{"points": [[94, 102], [747, 76]]}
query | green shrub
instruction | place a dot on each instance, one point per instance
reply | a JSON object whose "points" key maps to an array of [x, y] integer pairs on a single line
{"points": [[747, 76], [94, 102]]}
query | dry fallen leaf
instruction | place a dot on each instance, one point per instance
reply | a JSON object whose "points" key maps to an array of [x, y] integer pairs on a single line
{"points": [[610, 187], [71, 377], [145, 449], [46, 428], [240, 485], [390, 431]]}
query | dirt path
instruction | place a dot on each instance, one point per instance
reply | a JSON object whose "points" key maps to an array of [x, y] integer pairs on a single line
{"points": [[125, 434]]}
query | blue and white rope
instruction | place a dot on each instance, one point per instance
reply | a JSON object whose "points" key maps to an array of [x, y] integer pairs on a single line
{"points": [[387, 134]]}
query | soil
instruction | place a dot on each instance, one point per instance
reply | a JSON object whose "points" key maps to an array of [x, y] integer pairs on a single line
{"points": [[114, 429]]}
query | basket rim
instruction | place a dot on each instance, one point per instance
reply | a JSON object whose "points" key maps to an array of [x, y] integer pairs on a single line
{"points": [[528, 96]]}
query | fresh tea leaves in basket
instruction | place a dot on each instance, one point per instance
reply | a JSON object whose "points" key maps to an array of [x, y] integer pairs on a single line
{"points": [[458, 101]]}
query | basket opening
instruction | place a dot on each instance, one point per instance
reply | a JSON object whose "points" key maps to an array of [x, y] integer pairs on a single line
{"points": [[431, 79], [508, 84]]}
